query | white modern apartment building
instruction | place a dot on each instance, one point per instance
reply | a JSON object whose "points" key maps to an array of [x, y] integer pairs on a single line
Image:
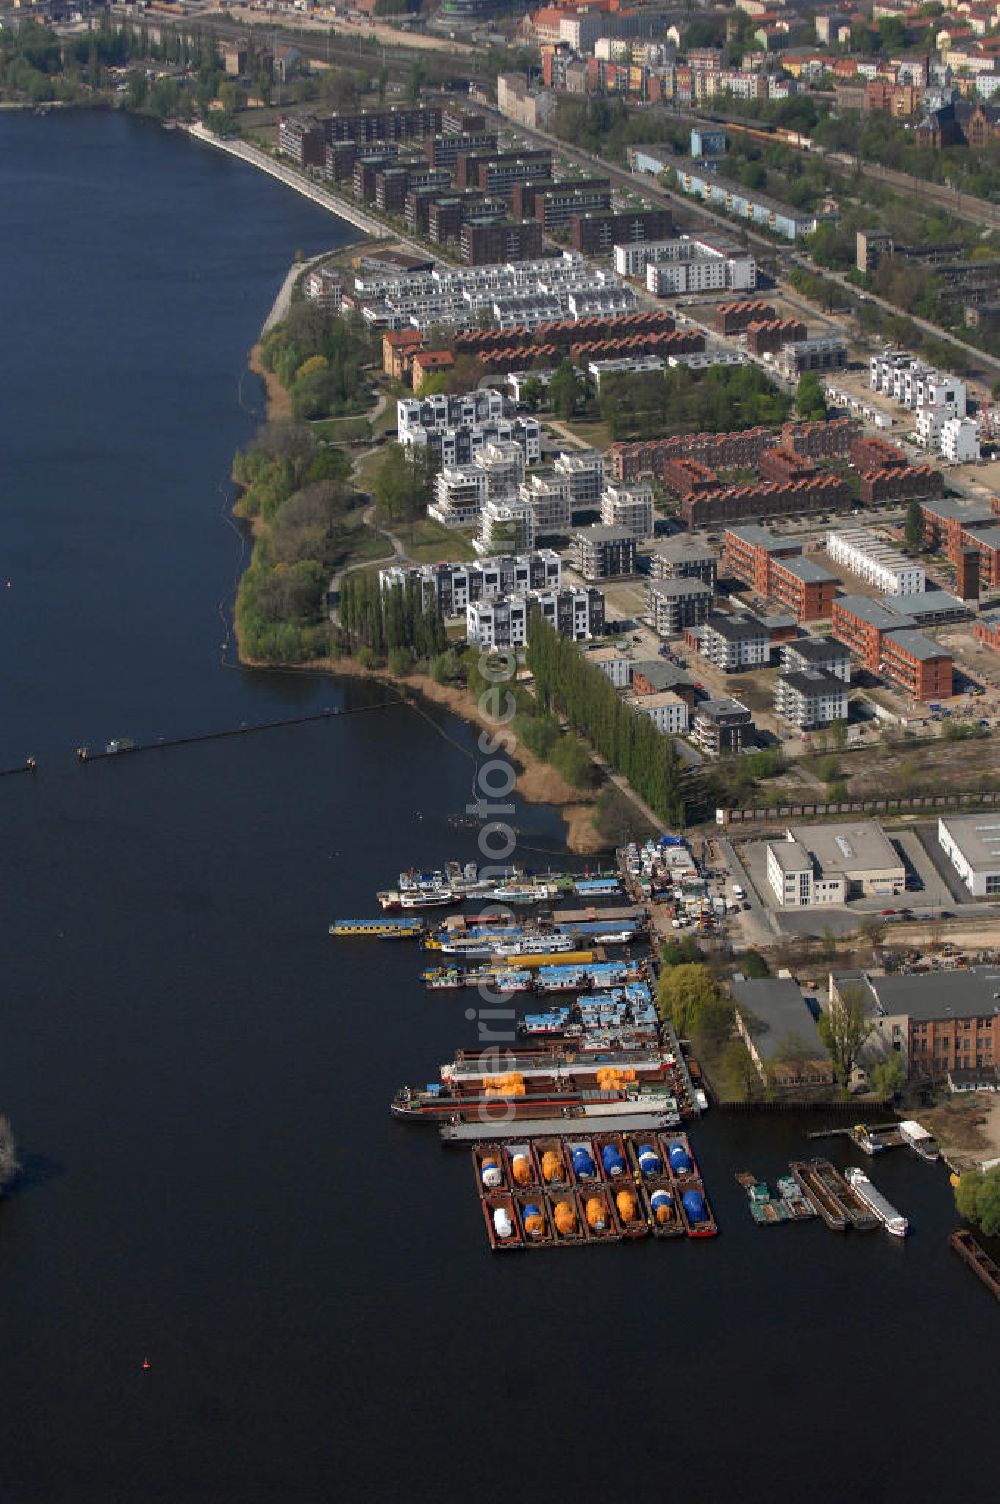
{"points": [[459, 493], [584, 471], [667, 711], [959, 440], [689, 264], [810, 698], [896, 374], [630, 506], [528, 292], [449, 588], [873, 561], [624, 365], [503, 621], [547, 493], [457, 429], [506, 524]]}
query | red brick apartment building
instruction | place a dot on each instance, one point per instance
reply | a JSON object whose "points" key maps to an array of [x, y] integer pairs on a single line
{"points": [[562, 333], [734, 318], [888, 643], [957, 526], [743, 450], [918, 665], [901, 483], [775, 569], [818, 440], [987, 630], [768, 336], [765, 498]]}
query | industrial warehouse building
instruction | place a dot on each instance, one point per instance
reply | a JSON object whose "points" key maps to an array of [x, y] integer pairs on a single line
{"points": [[780, 1033], [823, 864], [972, 845]]}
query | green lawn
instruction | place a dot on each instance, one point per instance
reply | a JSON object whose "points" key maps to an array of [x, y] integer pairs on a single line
{"points": [[342, 430], [427, 542]]}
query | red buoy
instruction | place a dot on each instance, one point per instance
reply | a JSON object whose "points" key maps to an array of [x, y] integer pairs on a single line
{"points": [[146, 1363]]}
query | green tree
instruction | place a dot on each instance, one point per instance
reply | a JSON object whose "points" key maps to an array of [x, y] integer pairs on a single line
{"points": [[136, 89], [977, 1197], [683, 994], [913, 528], [843, 1027], [753, 965], [564, 391], [829, 769], [810, 398], [737, 1072], [888, 1077], [828, 941]]}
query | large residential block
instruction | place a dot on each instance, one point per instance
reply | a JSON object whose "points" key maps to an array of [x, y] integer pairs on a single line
{"points": [[875, 562], [732, 644], [775, 568], [720, 727], [818, 654], [682, 558], [888, 643], [504, 621], [673, 605], [449, 588], [603, 553], [629, 506], [810, 698]]}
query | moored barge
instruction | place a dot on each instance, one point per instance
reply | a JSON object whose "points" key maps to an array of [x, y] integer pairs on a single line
{"points": [[972, 1252], [893, 1221], [765, 1209], [696, 1213], [810, 1176], [502, 1226]]}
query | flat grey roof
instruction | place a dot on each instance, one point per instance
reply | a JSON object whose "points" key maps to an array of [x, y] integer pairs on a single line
{"points": [[662, 675], [718, 710], [819, 649], [807, 570], [946, 507], [917, 644], [684, 549], [681, 587], [760, 537], [791, 856], [927, 603], [735, 628], [849, 849], [974, 993], [989, 535], [600, 533], [872, 612], [774, 1011], [978, 837], [814, 681]]}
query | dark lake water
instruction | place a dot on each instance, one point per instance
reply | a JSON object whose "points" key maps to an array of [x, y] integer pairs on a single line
{"points": [[199, 1076]]}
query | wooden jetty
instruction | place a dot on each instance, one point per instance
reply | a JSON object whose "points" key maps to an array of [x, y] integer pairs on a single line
{"points": [[972, 1252]]}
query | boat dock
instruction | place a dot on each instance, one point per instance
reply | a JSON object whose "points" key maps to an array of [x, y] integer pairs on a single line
{"points": [[972, 1252], [870, 1138]]}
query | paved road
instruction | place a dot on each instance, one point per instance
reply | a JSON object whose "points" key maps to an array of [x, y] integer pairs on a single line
{"points": [[990, 362]]}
